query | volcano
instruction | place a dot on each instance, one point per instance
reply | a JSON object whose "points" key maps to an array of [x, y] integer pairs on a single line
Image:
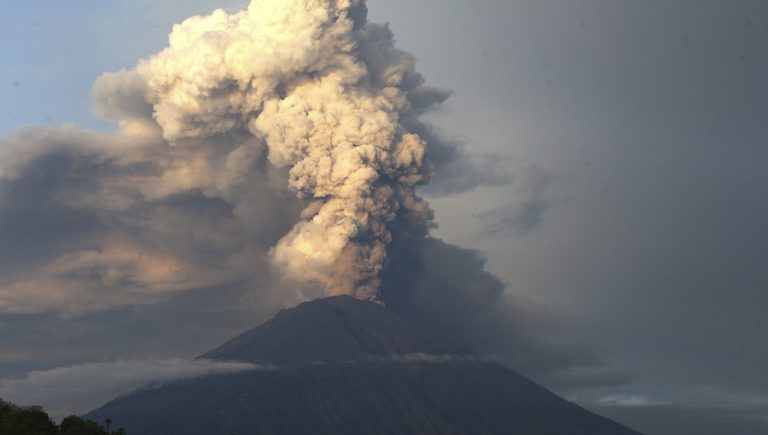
{"points": [[339, 365]]}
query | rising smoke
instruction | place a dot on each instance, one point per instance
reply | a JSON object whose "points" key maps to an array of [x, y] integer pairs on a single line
{"points": [[279, 146], [325, 92]]}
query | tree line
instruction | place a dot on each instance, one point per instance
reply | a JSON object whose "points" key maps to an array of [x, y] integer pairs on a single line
{"points": [[33, 420]]}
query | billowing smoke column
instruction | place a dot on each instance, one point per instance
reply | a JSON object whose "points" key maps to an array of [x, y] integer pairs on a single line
{"points": [[326, 92], [285, 138]]}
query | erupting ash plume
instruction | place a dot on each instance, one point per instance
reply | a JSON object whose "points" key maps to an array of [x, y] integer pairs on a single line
{"points": [[325, 92], [282, 142]]}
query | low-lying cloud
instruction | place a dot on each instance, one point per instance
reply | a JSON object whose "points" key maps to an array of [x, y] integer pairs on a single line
{"points": [[80, 388]]}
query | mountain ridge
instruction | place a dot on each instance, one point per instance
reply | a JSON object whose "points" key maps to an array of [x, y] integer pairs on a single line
{"points": [[343, 366]]}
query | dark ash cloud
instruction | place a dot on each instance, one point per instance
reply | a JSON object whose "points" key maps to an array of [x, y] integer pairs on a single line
{"points": [[527, 211]]}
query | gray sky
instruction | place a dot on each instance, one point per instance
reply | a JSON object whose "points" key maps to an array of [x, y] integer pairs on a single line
{"points": [[634, 225]]}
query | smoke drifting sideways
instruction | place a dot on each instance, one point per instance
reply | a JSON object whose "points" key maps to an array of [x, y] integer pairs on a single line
{"points": [[278, 148]]}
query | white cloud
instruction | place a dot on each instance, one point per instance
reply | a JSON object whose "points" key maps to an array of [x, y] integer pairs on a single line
{"points": [[80, 388], [626, 400]]}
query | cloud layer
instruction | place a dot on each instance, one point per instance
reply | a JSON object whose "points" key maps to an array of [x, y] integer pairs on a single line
{"points": [[79, 388]]}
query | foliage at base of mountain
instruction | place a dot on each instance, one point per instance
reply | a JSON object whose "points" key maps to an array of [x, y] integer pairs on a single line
{"points": [[33, 420]]}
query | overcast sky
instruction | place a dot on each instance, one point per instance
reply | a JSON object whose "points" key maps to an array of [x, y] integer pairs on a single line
{"points": [[634, 222]]}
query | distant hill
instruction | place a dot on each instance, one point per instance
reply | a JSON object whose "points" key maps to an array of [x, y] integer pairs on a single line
{"points": [[344, 366]]}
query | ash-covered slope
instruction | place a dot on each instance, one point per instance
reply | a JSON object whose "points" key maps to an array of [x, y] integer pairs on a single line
{"points": [[343, 366], [334, 329]]}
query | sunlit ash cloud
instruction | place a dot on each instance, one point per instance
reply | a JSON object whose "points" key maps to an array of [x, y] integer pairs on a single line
{"points": [[324, 93], [279, 145]]}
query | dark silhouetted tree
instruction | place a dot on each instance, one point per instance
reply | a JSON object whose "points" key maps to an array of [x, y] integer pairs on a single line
{"points": [[25, 420], [32, 420]]}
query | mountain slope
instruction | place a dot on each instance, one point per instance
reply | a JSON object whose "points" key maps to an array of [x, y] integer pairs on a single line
{"points": [[334, 329], [343, 366]]}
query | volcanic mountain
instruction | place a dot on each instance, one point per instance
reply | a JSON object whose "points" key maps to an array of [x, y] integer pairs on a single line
{"points": [[344, 366]]}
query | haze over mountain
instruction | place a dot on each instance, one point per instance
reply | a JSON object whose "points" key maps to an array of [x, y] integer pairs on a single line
{"points": [[345, 366]]}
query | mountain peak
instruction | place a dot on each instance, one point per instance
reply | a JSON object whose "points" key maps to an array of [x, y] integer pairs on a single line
{"points": [[333, 329]]}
